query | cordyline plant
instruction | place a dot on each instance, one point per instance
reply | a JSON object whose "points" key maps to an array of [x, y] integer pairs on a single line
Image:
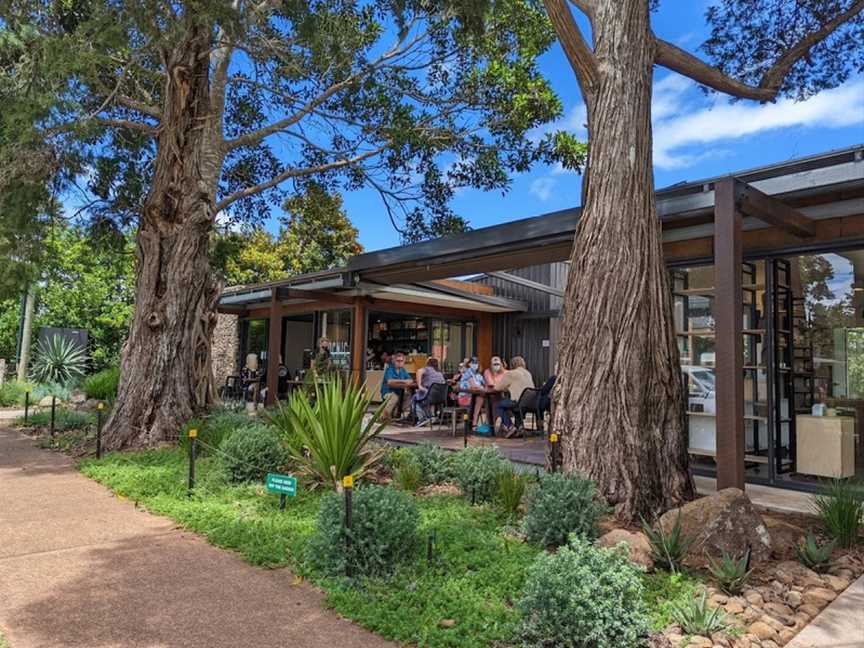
{"points": [[174, 112], [330, 437]]}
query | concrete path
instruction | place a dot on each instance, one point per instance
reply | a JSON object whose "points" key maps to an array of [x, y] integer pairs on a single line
{"points": [[81, 568], [840, 625]]}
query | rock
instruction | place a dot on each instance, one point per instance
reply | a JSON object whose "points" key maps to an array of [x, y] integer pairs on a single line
{"points": [[46, 401], [447, 623], [785, 636], [638, 547], [763, 630], [842, 572], [793, 599], [768, 643], [809, 609], [753, 597], [698, 641], [783, 613], [835, 582], [734, 607], [725, 521], [718, 599], [77, 398], [750, 615], [819, 596]]}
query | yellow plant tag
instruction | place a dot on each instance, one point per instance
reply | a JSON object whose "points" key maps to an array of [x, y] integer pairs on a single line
{"points": [[100, 406], [348, 481], [553, 438], [193, 433]]}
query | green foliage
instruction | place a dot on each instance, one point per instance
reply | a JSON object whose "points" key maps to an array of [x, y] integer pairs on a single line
{"points": [[103, 384], [815, 556], [383, 532], [408, 475], [64, 420], [840, 506], [12, 393], [476, 471], [582, 596], [435, 462], [698, 618], [560, 505], [61, 392], [58, 360], [252, 452], [509, 492], [329, 439], [668, 549], [663, 592], [214, 429], [731, 573]]}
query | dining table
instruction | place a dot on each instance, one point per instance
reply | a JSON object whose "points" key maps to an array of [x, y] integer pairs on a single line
{"points": [[475, 393]]}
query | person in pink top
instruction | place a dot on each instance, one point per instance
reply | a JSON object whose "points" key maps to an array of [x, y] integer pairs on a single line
{"points": [[491, 376]]}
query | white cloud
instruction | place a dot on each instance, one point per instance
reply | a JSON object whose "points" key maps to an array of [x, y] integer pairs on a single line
{"points": [[542, 187], [574, 122], [682, 121]]}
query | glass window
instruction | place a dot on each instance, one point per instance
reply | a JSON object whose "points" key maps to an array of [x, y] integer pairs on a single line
{"points": [[335, 325]]}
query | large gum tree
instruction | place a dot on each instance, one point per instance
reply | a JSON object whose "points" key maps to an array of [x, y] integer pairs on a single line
{"points": [[619, 394], [179, 112]]}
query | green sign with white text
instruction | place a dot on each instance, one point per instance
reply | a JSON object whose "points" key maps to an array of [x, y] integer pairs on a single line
{"points": [[282, 484]]}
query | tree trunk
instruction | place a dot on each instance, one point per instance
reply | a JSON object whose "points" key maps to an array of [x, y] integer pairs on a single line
{"points": [[166, 374], [619, 393]]}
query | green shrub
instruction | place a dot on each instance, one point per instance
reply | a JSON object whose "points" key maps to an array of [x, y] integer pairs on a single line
{"points": [[582, 596], [841, 508], [476, 471], [668, 549], [560, 505], [383, 533], [214, 429], [251, 453], [329, 439], [64, 420], [58, 360], [408, 475], [731, 573], [61, 392], [664, 591], [103, 385], [815, 556], [510, 490], [696, 617], [12, 393], [434, 462]]}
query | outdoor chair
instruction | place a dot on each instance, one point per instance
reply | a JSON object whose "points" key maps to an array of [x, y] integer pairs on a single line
{"points": [[232, 390], [529, 403], [436, 400], [455, 412]]}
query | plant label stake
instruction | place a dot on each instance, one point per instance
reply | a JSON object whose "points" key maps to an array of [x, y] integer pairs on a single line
{"points": [[53, 411], [193, 436], [99, 408], [348, 487], [430, 546], [465, 427], [26, 405], [553, 442]]}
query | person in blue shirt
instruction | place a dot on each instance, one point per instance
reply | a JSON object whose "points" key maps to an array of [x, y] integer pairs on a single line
{"points": [[397, 388]]}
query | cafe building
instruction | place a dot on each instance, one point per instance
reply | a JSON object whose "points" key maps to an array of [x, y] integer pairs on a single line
{"points": [[767, 271]]}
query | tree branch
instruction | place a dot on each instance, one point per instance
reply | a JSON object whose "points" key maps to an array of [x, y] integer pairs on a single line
{"points": [[296, 173], [575, 47], [126, 123], [675, 58], [139, 106]]}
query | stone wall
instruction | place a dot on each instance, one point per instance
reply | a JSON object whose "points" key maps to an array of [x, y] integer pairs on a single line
{"points": [[226, 347]]}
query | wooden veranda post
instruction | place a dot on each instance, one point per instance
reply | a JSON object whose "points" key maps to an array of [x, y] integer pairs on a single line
{"points": [[729, 347], [358, 341], [274, 347]]}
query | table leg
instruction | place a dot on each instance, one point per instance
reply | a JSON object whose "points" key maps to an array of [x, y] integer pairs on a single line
{"points": [[490, 414], [471, 407]]}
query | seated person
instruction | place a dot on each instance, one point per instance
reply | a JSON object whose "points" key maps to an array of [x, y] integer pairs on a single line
{"points": [[472, 379], [514, 381], [544, 402], [396, 388], [426, 377]]}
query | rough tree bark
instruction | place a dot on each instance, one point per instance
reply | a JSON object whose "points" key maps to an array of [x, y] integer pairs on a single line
{"points": [[619, 396], [165, 366]]}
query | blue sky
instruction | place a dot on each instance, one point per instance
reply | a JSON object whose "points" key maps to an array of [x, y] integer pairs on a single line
{"points": [[695, 136]]}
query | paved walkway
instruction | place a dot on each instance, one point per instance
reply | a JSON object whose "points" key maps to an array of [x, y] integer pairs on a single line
{"points": [[81, 568], [840, 625]]}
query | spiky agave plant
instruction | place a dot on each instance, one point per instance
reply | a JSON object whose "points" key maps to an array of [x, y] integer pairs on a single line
{"points": [[331, 437], [58, 360]]}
